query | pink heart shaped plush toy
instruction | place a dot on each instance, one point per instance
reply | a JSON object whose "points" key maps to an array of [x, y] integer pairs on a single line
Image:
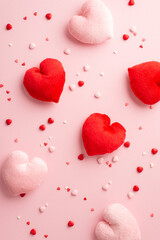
{"points": [[22, 175], [94, 25], [118, 224]]}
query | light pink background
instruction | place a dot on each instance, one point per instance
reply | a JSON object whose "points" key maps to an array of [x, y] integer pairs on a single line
{"points": [[27, 114]]}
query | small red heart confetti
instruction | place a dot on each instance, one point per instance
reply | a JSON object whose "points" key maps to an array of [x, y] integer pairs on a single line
{"points": [[33, 231], [25, 18], [152, 215], [46, 235], [42, 127], [50, 120], [9, 99], [58, 188], [8, 121], [68, 189], [81, 156], [80, 83], [22, 195], [67, 163], [8, 26], [154, 150], [48, 16], [139, 169], [84, 198], [131, 2], [92, 209], [28, 223], [141, 46], [125, 37], [70, 224], [7, 92], [23, 64], [135, 188], [127, 144], [35, 13], [45, 144], [1, 85]]}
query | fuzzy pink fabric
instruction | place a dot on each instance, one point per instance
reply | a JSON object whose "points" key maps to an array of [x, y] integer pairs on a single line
{"points": [[118, 224], [94, 25], [22, 175]]}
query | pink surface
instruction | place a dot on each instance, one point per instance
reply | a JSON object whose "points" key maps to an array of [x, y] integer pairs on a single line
{"points": [[27, 114]]}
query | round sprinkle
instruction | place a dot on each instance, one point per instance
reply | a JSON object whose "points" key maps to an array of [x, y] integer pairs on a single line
{"points": [[70, 223], [115, 52], [152, 215], [33, 231], [72, 87], [97, 94], [110, 182], [80, 83], [8, 26], [67, 51], [74, 192], [18, 217], [151, 165], [77, 74], [133, 29], [85, 199], [144, 153], [28, 222], [10, 44], [81, 156], [130, 195], [139, 169], [131, 2], [46, 205], [42, 209], [42, 127], [86, 68], [101, 74], [51, 149], [32, 46], [127, 144], [48, 16], [105, 187], [100, 160], [65, 122], [8, 121], [154, 151], [1, 85], [135, 188], [50, 120], [125, 37], [25, 18], [115, 159]]}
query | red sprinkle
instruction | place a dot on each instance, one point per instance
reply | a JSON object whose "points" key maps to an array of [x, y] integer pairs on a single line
{"points": [[42, 127], [8, 26], [92, 209], [80, 83], [154, 150], [9, 99], [110, 165], [67, 163], [1, 85], [8, 121], [46, 235], [25, 18], [58, 188], [22, 195], [141, 46], [135, 188], [84, 198], [139, 169], [127, 144], [28, 223], [125, 37], [131, 2], [33, 231], [48, 16], [81, 156], [23, 64], [45, 144], [7, 92], [152, 215], [68, 189], [70, 224], [35, 13], [50, 120]]}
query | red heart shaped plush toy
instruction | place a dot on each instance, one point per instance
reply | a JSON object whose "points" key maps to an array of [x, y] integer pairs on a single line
{"points": [[145, 81], [46, 82], [99, 136]]}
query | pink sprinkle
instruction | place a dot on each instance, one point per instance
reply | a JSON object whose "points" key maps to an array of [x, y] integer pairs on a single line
{"points": [[92, 209], [16, 60], [152, 215], [126, 104]]}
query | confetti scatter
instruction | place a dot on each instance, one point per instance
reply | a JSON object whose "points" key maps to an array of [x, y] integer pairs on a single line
{"points": [[74, 192], [86, 68], [51, 149], [70, 223], [67, 51], [130, 195], [115, 159], [32, 46], [100, 160], [97, 94]]}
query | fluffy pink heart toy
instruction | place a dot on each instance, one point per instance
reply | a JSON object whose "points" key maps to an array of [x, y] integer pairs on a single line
{"points": [[94, 25], [22, 175], [118, 224]]}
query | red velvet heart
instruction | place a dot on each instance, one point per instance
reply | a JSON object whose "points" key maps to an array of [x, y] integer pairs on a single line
{"points": [[46, 82], [99, 136], [145, 81]]}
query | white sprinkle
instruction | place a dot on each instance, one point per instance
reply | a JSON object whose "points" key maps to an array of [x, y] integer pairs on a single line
{"points": [[151, 165], [74, 192], [144, 153], [133, 29], [67, 51], [115, 159], [97, 94], [51, 149], [42, 209], [41, 144], [65, 121], [18, 217], [101, 74], [72, 87], [86, 68], [77, 74], [130, 195], [115, 51], [110, 182], [105, 187], [46, 205], [65, 188], [100, 160], [32, 45], [10, 44], [49, 137]]}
